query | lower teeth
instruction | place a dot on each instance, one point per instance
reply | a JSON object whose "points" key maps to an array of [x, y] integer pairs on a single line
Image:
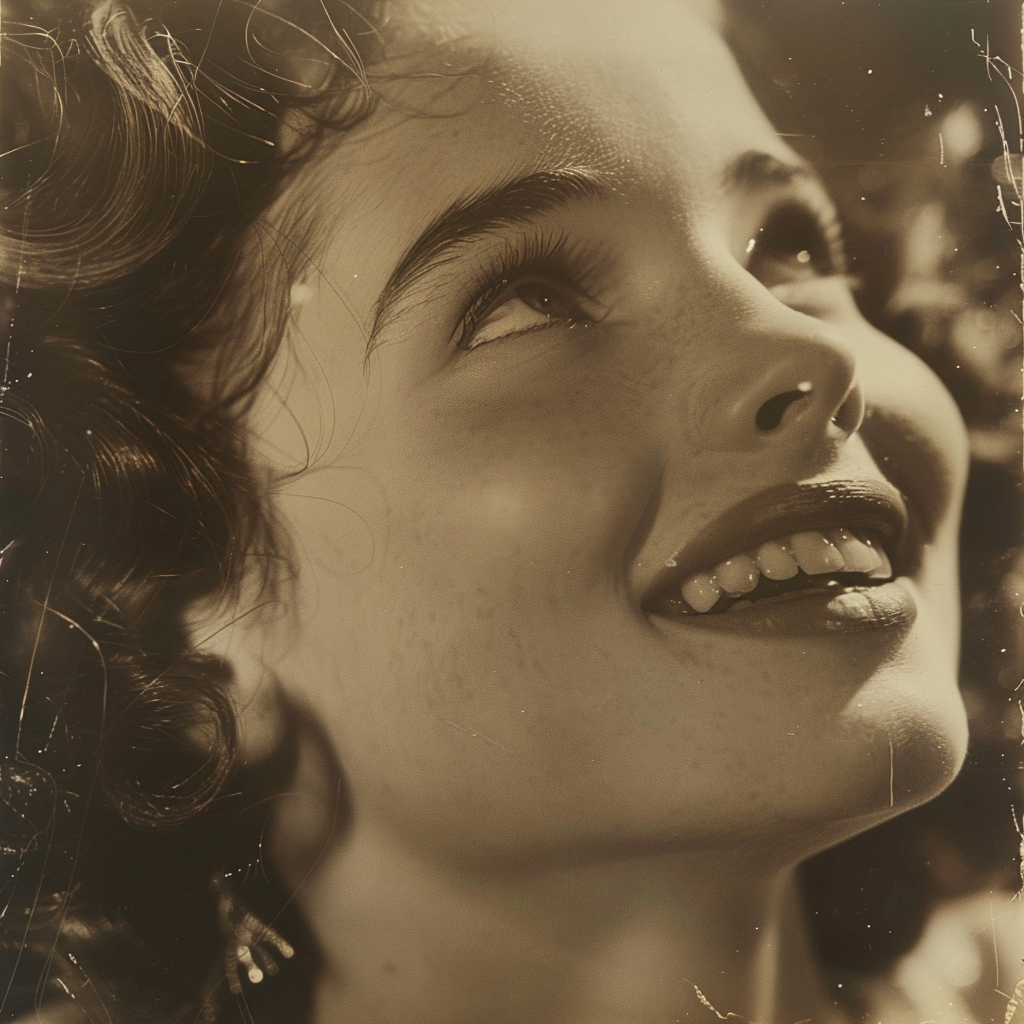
{"points": [[766, 588]]}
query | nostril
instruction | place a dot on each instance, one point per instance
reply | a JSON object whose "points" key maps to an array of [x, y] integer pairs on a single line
{"points": [[850, 414], [769, 416]]}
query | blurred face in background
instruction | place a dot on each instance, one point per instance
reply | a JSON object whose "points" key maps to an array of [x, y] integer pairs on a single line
{"points": [[615, 526]]}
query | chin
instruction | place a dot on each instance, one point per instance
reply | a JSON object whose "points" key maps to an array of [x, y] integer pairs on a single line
{"points": [[914, 740]]}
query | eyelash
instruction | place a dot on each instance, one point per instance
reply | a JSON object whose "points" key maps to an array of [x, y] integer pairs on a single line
{"points": [[554, 258], [570, 264], [818, 226]]}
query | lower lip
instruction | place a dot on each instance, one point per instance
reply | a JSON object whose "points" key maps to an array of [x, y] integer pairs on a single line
{"points": [[887, 606]]}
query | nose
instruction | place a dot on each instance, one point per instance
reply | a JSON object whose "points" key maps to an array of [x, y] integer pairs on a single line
{"points": [[807, 395], [791, 380]]}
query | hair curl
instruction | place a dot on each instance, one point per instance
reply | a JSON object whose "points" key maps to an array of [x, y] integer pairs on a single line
{"points": [[141, 146]]}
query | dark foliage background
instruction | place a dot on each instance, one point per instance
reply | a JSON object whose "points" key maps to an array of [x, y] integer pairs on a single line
{"points": [[917, 134]]}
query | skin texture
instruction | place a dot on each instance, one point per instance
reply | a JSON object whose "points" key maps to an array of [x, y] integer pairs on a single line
{"points": [[565, 808]]}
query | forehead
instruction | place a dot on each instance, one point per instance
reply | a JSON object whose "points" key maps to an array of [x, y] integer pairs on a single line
{"points": [[625, 85], [475, 93]]}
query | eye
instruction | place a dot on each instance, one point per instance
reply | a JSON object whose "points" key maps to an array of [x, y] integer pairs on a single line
{"points": [[518, 309], [796, 243]]}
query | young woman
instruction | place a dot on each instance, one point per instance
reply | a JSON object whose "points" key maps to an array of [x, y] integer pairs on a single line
{"points": [[465, 548]]}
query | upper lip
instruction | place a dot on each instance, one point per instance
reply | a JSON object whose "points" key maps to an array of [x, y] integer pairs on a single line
{"points": [[786, 509]]}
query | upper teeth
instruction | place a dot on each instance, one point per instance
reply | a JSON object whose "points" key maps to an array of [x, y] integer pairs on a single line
{"points": [[814, 551]]}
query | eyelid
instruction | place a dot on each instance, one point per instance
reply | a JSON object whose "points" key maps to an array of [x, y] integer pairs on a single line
{"points": [[815, 291], [557, 260], [492, 301]]}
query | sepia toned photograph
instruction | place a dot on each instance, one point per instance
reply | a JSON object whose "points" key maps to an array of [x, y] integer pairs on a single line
{"points": [[511, 512]]}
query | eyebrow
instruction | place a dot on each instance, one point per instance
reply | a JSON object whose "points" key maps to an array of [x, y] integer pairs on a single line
{"points": [[505, 205], [756, 169]]}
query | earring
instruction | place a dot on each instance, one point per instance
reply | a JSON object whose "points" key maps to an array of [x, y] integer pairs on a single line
{"points": [[249, 943]]}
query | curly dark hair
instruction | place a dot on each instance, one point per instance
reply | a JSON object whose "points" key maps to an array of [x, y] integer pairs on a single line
{"points": [[141, 145], [140, 149]]}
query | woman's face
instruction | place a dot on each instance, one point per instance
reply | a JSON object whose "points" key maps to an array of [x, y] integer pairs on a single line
{"points": [[575, 333]]}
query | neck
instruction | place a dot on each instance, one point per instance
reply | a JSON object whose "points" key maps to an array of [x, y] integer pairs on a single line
{"points": [[632, 940]]}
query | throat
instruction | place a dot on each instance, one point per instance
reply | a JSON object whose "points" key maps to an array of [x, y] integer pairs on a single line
{"points": [[646, 939]]}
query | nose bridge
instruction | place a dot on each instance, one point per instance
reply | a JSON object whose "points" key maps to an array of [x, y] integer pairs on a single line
{"points": [[775, 376]]}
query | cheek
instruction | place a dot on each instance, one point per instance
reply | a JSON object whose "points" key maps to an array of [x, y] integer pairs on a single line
{"points": [[548, 528], [475, 663], [549, 491]]}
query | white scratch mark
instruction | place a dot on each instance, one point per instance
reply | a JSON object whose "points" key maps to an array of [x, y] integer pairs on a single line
{"points": [[704, 1001], [1014, 1003], [474, 735], [995, 943], [892, 795], [1017, 825], [1001, 206]]}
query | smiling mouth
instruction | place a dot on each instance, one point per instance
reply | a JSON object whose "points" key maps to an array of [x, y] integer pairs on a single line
{"points": [[824, 537], [828, 560]]}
